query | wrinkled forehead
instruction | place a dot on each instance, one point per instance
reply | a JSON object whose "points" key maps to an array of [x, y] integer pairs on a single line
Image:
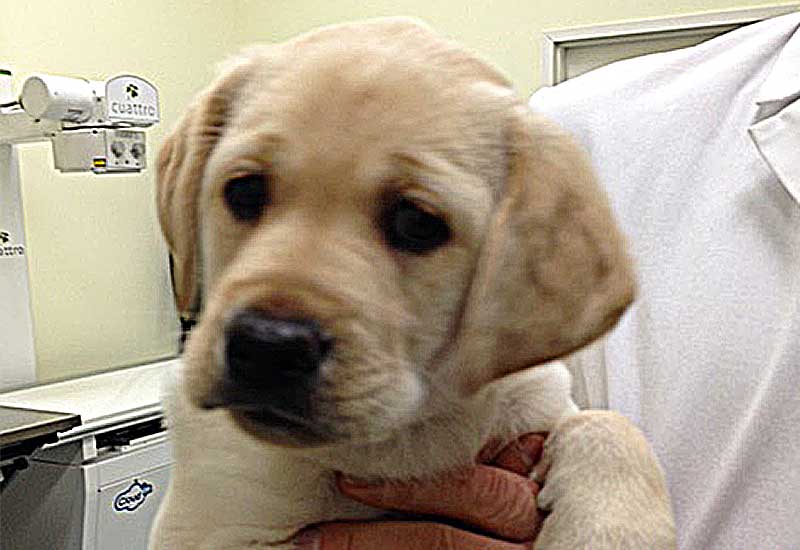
{"points": [[334, 103]]}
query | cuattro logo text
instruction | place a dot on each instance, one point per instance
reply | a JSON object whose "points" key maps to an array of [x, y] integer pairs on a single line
{"points": [[7, 248]]}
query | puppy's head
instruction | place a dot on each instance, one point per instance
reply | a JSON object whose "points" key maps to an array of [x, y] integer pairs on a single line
{"points": [[368, 225]]}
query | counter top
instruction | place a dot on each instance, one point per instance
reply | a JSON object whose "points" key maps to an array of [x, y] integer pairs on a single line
{"points": [[18, 425], [73, 409], [97, 396]]}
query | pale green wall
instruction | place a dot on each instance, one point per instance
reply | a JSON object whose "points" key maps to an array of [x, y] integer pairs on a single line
{"points": [[506, 32], [98, 277]]}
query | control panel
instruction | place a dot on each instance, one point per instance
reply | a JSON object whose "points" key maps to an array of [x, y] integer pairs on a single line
{"points": [[101, 150]]}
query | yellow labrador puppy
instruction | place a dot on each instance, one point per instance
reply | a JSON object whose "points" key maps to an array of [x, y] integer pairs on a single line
{"points": [[386, 249]]}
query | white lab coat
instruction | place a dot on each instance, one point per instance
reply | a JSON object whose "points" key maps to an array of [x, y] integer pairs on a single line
{"points": [[699, 150]]}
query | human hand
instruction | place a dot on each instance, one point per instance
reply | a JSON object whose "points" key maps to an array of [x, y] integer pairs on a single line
{"points": [[495, 498]]}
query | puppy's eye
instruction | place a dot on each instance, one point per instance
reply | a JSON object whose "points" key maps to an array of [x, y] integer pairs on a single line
{"points": [[247, 196], [411, 228]]}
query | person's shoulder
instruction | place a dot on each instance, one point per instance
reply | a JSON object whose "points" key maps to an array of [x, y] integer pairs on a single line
{"points": [[669, 75]]}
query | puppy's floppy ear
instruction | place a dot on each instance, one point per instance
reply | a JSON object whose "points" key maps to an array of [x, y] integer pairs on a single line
{"points": [[553, 274], [181, 166]]}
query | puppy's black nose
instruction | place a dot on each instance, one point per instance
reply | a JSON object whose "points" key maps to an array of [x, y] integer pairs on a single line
{"points": [[272, 360]]}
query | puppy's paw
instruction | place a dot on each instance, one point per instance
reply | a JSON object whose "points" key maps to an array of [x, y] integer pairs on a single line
{"points": [[604, 488]]}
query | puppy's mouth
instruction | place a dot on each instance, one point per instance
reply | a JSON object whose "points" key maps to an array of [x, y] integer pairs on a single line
{"points": [[281, 428], [271, 370], [284, 417]]}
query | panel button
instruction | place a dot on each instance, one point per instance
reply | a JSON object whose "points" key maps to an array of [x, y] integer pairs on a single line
{"points": [[118, 149], [137, 150]]}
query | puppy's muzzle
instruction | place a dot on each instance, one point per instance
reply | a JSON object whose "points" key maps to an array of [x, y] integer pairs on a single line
{"points": [[272, 368]]}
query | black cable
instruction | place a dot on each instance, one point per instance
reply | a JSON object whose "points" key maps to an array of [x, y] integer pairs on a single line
{"points": [[12, 104]]}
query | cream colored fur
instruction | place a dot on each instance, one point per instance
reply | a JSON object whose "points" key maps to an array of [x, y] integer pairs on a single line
{"points": [[435, 353]]}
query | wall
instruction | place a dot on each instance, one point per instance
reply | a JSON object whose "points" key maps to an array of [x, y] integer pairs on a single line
{"points": [[506, 32], [98, 274]]}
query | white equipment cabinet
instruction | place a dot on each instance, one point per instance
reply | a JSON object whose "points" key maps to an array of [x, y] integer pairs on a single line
{"points": [[99, 486]]}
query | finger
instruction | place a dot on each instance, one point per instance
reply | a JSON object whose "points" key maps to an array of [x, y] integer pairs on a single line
{"points": [[484, 497], [521, 455], [398, 536]]}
